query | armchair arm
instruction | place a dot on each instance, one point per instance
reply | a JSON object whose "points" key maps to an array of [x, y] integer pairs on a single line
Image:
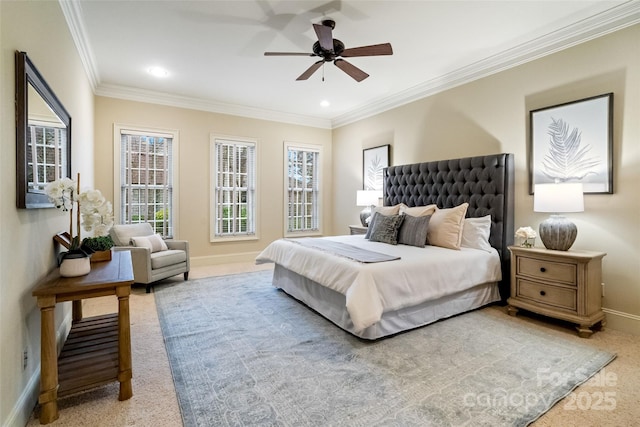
{"points": [[182, 245]]}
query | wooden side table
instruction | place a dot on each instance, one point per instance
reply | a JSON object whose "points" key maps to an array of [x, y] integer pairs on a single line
{"points": [[98, 349], [560, 284], [357, 229]]}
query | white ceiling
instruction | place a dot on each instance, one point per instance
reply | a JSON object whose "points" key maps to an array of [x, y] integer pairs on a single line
{"points": [[213, 50]]}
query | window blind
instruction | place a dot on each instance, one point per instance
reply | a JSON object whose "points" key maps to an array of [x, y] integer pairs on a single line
{"points": [[303, 188], [146, 180], [235, 188]]}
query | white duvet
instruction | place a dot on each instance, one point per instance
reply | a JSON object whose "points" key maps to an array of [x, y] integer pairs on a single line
{"points": [[422, 274]]}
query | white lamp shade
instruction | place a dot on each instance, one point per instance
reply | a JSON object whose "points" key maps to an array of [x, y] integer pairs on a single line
{"points": [[558, 198], [368, 197]]}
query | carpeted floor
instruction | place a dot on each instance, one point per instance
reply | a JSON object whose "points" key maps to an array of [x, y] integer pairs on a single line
{"points": [[154, 401], [243, 353]]}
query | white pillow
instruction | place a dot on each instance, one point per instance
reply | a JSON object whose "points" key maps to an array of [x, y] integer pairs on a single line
{"points": [[154, 242], [445, 227], [475, 233]]}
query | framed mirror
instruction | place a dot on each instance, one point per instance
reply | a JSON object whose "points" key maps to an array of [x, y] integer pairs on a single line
{"points": [[43, 136]]}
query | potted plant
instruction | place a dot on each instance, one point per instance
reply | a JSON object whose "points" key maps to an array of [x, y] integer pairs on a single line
{"points": [[97, 216], [75, 261], [100, 247]]}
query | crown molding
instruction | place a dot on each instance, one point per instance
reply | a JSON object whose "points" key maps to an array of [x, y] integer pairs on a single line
{"points": [[141, 95], [73, 16], [612, 20]]}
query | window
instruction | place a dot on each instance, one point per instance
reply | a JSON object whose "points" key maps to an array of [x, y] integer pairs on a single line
{"points": [[234, 188], [146, 179], [302, 189], [45, 157]]}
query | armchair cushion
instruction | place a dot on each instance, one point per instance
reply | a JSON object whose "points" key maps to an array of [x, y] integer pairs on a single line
{"points": [[166, 258]]}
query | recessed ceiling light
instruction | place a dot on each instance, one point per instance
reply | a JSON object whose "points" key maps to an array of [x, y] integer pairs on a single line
{"points": [[324, 103], [157, 71]]}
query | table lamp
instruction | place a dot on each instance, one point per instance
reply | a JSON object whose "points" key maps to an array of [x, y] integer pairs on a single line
{"points": [[557, 232], [367, 198]]}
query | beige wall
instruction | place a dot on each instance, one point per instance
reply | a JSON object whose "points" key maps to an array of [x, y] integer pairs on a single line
{"points": [[491, 115], [195, 128], [26, 245]]}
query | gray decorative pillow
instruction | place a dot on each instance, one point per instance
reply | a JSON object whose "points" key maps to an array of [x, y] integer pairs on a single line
{"points": [[414, 230], [385, 229]]}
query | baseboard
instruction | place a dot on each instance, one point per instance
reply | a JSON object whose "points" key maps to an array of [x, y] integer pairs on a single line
{"points": [[204, 261], [621, 321], [22, 410]]}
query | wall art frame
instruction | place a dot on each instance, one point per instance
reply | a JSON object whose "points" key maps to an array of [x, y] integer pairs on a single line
{"points": [[573, 142], [374, 160]]}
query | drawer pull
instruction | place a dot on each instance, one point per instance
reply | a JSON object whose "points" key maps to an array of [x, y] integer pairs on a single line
{"points": [[543, 293], [542, 269]]}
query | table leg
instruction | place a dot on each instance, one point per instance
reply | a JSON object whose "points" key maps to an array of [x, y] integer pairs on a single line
{"points": [[124, 344], [76, 310], [48, 397]]}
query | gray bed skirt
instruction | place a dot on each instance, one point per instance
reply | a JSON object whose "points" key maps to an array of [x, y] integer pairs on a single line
{"points": [[332, 305]]}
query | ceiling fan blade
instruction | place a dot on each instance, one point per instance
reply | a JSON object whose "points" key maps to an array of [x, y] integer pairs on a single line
{"points": [[325, 36], [373, 50], [288, 54], [356, 73], [310, 71]]}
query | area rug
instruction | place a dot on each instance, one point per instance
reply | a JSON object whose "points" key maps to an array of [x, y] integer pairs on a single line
{"points": [[243, 353]]}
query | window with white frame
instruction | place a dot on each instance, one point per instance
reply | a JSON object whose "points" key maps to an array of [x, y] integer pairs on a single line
{"points": [[146, 179], [233, 210], [46, 160], [302, 188]]}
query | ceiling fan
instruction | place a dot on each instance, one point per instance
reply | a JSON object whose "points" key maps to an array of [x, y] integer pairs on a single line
{"points": [[330, 49]]}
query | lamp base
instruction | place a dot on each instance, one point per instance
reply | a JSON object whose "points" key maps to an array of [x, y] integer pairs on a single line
{"points": [[364, 214], [557, 233]]}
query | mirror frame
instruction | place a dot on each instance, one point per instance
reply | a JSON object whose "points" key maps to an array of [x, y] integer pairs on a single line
{"points": [[27, 74]]}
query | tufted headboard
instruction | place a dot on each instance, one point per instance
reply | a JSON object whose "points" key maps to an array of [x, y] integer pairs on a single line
{"points": [[485, 182]]}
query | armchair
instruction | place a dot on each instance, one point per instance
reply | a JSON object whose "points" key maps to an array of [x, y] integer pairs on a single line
{"points": [[153, 258]]}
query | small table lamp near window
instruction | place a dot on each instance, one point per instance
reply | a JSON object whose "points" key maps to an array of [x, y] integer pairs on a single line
{"points": [[557, 232], [367, 198]]}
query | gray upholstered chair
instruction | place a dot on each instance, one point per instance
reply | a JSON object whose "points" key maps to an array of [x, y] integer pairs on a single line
{"points": [[151, 261]]}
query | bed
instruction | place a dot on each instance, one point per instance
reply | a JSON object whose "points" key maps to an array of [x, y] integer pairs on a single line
{"points": [[376, 299]]}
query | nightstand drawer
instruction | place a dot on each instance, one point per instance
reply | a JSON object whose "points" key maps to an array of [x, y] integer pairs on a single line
{"points": [[559, 272], [546, 294]]}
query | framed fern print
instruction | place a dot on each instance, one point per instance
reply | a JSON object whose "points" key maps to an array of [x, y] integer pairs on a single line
{"points": [[374, 160], [573, 142]]}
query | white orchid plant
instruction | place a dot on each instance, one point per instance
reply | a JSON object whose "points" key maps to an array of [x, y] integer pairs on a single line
{"points": [[96, 212]]}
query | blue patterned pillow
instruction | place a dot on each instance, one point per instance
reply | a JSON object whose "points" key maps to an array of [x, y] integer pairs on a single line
{"points": [[385, 228]]}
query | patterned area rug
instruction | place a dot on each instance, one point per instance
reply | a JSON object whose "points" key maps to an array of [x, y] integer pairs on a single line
{"points": [[243, 353]]}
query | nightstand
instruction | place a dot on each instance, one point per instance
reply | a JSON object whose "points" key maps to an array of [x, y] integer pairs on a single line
{"points": [[561, 284], [357, 229]]}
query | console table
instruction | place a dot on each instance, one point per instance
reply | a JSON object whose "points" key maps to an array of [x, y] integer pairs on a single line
{"points": [[98, 349]]}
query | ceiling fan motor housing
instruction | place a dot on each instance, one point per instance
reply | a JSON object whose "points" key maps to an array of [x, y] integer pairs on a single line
{"points": [[328, 55]]}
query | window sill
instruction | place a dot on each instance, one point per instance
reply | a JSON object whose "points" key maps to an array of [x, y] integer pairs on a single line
{"points": [[234, 239], [303, 234]]}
